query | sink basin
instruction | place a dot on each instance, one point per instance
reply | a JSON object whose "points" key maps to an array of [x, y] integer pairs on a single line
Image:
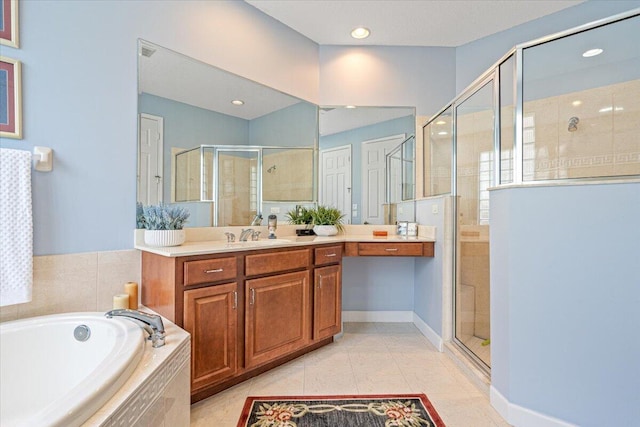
{"points": [[258, 243]]}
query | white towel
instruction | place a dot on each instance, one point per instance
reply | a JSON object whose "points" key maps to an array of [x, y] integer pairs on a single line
{"points": [[16, 227]]}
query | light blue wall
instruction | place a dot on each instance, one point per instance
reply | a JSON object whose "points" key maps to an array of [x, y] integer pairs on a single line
{"points": [[355, 137], [473, 58], [427, 303], [377, 284], [80, 98], [565, 293], [294, 126]]}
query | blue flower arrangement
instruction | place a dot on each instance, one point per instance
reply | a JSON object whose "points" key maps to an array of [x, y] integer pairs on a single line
{"points": [[161, 217]]}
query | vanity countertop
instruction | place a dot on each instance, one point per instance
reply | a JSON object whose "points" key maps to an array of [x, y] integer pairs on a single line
{"points": [[195, 245]]}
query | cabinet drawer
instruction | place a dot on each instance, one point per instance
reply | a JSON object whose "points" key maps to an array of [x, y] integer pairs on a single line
{"points": [[390, 249], [328, 255], [209, 270], [276, 261]]}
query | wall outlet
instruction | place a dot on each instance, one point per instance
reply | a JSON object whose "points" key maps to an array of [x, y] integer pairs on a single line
{"points": [[434, 209], [275, 210]]}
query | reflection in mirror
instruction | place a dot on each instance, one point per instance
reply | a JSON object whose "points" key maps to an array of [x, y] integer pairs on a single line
{"points": [[353, 145], [189, 106], [287, 174], [436, 148]]}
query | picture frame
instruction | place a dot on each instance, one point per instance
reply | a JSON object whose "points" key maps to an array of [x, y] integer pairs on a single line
{"points": [[9, 23], [10, 98]]}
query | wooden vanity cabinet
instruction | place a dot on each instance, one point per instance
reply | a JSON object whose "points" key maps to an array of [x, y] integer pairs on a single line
{"points": [[327, 293], [277, 316], [248, 311], [211, 317]]}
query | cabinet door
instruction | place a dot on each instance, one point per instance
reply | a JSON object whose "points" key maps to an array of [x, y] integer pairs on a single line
{"points": [[278, 316], [327, 302], [210, 316]]}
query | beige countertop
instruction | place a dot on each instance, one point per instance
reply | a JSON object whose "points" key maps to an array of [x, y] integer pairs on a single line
{"points": [[210, 240]]}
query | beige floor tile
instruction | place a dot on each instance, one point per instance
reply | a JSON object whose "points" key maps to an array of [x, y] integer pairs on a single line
{"points": [[370, 358]]}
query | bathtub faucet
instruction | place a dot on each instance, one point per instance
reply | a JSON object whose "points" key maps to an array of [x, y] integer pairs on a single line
{"points": [[151, 323]]}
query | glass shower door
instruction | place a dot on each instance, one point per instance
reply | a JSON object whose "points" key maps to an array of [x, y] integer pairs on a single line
{"points": [[474, 160]]}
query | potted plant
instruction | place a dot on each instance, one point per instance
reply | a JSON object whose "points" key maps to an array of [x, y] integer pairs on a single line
{"points": [[301, 216], [326, 220], [163, 224]]}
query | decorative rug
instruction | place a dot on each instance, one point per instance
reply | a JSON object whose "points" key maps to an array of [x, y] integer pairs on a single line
{"points": [[393, 410]]}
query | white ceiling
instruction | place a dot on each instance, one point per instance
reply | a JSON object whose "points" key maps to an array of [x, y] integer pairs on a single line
{"points": [[406, 22]]}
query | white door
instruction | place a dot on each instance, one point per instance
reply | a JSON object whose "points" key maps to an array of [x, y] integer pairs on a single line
{"points": [[150, 160], [335, 179], [373, 176]]}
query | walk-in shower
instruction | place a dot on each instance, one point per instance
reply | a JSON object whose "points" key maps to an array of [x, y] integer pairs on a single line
{"points": [[547, 112]]}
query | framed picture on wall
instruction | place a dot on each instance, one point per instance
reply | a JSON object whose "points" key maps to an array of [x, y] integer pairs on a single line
{"points": [[10, 98], [9, 23]]}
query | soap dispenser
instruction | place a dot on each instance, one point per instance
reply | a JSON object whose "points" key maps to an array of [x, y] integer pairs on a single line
{"points": [[273, 224]]}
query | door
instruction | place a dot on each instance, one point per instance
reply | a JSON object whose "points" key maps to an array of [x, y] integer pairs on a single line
{"points": [[277, 316], [474, 166], [210, 316], [150, 160], [327, 298], [335, 180], [374, 154]]}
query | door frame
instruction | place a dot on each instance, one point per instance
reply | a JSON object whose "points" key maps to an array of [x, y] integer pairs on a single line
{"points": [[363, 170], [347, 215], [160, 121]]}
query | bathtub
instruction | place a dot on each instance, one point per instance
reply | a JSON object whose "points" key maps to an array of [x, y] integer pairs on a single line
{"points": [[50, 378]]}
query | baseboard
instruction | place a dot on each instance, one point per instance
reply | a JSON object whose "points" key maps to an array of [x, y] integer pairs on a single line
{"points": [[519, 416], [429, 333], [378, 316]]}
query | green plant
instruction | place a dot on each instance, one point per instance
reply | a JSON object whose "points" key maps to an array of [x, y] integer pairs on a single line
{"points": [[161, 217], [299, 216], [327, 215]]}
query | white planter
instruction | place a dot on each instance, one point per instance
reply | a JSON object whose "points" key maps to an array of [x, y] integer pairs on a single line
{"points": [[164, 237], [325, 230]]}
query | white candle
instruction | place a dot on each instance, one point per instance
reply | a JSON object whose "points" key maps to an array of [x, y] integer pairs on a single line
{"points": [[131, 289], [121, 301]]}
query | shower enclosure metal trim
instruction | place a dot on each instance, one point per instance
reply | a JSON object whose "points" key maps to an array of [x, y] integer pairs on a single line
{"points": [[517, 177]]}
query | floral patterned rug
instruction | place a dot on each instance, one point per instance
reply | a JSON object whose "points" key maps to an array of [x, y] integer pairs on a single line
{"points": [[402, 410]]}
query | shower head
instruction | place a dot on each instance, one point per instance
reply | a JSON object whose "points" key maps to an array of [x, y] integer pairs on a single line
{"points": [[573, 124]]}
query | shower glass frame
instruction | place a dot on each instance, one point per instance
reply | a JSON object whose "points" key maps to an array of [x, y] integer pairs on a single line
{"points": [[496, 72]]}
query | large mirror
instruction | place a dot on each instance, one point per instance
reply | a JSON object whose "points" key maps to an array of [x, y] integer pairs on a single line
{"points": [[223, 146], [362, 150], [199, 148]]}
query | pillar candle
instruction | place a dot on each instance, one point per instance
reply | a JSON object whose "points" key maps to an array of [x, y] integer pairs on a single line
{"points": [[131, 288], [121, 301]]}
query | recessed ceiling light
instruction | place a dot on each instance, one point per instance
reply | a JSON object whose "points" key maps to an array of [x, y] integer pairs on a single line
{"points": [[350, 106], [442, 133], [360, 33], [592, 52], [237, 102], [576, 103], [441, 122]]}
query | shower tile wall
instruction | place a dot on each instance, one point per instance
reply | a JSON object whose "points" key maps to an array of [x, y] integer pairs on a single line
{"points": [[76, 282], [234, 190], [292, 177], [606, 141]]}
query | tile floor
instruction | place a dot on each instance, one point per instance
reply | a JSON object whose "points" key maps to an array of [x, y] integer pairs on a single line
{"points": [[371, 358]]}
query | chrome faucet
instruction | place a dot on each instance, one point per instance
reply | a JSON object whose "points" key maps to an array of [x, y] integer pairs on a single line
{"points": [[244, 235], [151, 323]]}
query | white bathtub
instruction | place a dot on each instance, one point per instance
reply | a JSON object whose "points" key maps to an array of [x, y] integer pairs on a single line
{"points": [[49, 378]]}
